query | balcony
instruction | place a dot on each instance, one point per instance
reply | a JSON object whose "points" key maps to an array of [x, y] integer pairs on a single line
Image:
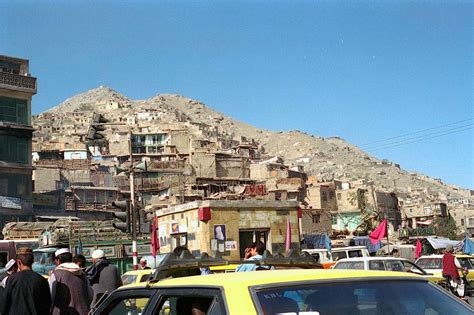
{"points": [[17, 82]]}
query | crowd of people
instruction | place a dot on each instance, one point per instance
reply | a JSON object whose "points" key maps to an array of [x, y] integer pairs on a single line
{"points": [[71, 288]]}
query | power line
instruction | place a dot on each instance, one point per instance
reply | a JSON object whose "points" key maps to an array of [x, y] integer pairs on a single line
{"points": [[427, 138], [416, 132], [417, 137]]}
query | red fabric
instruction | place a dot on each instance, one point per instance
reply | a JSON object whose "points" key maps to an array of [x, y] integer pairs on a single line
{"points": [[449, 266], [379, 233], [288, 235], [155, 242], [418, 249]]}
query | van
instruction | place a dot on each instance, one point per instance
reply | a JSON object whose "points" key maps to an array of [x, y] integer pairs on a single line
{"points": [[328, 259]]}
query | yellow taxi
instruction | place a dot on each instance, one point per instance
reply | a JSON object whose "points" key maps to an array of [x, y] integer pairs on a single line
{"points": [[293, 291], [136, 276], [434, 264]]}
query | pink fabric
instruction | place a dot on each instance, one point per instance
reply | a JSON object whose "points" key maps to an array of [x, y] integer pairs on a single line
{"points": [[418, 249], [379, 233], [288, 235], [155, 242]]}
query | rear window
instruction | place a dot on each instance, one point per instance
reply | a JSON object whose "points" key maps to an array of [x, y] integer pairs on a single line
{"points": [[359, 265], [355, 253], [128, 279], [465, 262], [430, 263], [364, 298]]}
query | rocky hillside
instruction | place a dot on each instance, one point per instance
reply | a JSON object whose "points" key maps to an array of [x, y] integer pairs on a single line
{"points": [[326, 158]]}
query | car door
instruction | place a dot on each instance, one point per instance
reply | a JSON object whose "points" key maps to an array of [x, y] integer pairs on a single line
{"points": [[192, 300], [125, 302]]}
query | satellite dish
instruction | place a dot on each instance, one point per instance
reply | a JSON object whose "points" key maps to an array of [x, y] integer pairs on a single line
{"points": [[188, 170]]}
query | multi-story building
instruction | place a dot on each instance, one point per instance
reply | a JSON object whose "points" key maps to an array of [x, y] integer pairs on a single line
{"points": [[17, 87]]}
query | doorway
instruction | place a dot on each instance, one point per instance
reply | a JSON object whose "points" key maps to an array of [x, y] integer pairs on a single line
{"points": [[248, 236]]}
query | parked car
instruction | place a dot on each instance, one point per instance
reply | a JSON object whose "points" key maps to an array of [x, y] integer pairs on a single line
{"points": [[385, 263], [286, 291], [434, 264]]}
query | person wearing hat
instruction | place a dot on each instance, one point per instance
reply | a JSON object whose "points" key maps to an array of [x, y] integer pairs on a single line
{"points": [[143, 263], [26, 291], [102, 276], [10, 268], [71, 292], [450, 265]]}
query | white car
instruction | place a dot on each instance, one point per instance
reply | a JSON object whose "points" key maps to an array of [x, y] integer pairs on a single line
{"points": [[384, 263]]}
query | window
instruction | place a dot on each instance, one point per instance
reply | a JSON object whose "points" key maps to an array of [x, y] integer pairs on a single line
{"points": [[180, 239], [430, 263], [470, 221], [394, 265], [376, 265], [14, 110], [357, 265], [316, 218], [357, 297], [127, 302], [14, 149], [324, 196], [190, 301], [334, 220], [355, 253], [339, 196]]}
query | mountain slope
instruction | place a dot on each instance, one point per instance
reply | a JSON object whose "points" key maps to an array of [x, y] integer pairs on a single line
{"points": [[326, 158]]}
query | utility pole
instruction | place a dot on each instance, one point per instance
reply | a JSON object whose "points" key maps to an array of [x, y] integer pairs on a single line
{"points": [[132, 204]]}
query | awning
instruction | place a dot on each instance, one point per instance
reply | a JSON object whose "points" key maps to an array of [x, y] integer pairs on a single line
{"points": [[439, 242]]}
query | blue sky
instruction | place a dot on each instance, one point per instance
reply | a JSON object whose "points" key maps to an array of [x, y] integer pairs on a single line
{"points": [[363, 71]]}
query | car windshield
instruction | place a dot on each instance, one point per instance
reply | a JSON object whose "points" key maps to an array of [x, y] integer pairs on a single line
{"points": [[465, 262], [364, 298], [128, 279], [430, 263]]}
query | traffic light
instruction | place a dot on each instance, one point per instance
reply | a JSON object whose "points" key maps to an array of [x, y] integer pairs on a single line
{"points": [[123, 215]]}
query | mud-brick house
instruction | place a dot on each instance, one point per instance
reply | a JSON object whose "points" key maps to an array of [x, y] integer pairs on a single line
{"points": [[228, 226]]}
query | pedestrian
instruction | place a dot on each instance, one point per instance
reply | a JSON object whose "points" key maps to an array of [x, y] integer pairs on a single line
{"points": [[71, 292], [26, 291], [143, 264], [253, 252], [451, 265], [10, 268], [103, 277], [80, 260]]}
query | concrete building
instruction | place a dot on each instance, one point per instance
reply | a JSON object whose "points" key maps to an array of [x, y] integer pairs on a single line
{"points": [[17, 87], [322, 205], [228, 226]]}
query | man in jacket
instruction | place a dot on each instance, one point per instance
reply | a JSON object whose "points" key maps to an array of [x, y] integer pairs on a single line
{"points": [[450, 265], [26, 292], [102, 276], [70, 289]]}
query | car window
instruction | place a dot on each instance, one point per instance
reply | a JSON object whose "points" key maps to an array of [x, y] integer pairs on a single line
{"points": [[145, 277], [395, 265], [190, 301], [376, 265], [338, 255], [125, 303], [359, 265], [128, 279], [430, 263], [411, 267], [465, 263], [355, 253], [363, 298]]}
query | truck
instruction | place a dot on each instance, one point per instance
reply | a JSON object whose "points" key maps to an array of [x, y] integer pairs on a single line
{"points": [[83, 237]]}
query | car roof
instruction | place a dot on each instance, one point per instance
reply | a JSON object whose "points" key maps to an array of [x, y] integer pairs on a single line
{"points": [[370, 258], [441, 256], [255, 278], [137, 272]]}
